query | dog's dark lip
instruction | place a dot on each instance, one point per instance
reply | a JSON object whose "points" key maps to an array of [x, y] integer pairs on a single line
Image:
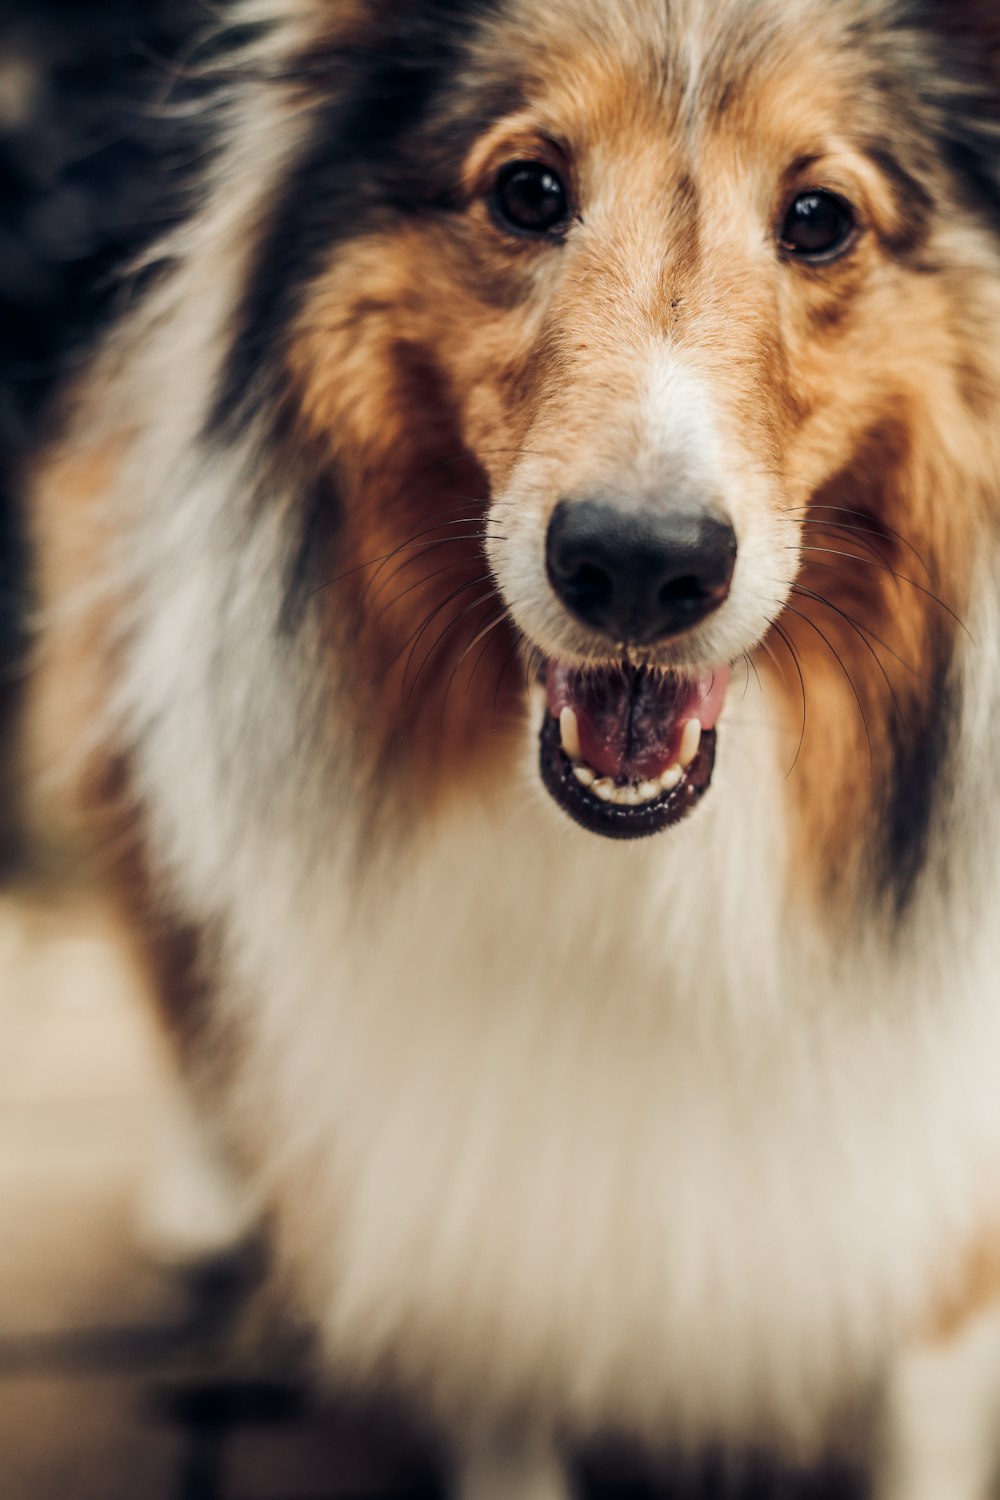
{"points": [[608, 819]]}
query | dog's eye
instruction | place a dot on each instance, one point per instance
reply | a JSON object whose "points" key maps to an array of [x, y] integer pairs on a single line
{"points": [[530, 199], [818, 226]]}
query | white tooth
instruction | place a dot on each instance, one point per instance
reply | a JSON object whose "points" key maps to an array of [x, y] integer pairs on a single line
{"points": [[584, 775], [648, 791], [690, 742], [569, 733], [605, 789], [671, 778]]}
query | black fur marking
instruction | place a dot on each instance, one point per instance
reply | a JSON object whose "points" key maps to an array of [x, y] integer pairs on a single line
{"points": [[372, 156], [311, 563], [973, 158], [13, 584], [917, 779], [960, 87]]}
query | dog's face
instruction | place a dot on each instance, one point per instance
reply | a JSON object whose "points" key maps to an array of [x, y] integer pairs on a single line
{"points": [[624, 332]]}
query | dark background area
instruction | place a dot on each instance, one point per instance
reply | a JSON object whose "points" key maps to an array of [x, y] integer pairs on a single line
{"points": [[93, 149]]}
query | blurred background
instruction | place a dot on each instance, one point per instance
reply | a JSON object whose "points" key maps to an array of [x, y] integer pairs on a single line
{"points": [[93, 157], [120, 1380]]}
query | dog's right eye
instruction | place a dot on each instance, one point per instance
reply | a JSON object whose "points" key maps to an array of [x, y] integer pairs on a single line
{"points": [[818, 227], [530, 198]]}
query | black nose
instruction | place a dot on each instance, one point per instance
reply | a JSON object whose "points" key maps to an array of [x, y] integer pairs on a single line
{"points": [[639, 575]]}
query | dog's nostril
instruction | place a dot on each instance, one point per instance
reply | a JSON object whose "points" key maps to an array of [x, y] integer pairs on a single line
{"points": [[685, 592], [590, 584], [639, 575]]}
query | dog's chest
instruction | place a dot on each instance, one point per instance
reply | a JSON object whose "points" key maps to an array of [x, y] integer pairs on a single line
{"points": [[594, 1149]]}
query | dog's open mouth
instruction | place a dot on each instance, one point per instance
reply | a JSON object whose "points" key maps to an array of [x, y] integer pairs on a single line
{"points": [[628, 751]]}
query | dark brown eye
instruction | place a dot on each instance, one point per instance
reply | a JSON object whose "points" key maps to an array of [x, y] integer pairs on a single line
{"points": [[818, 226], [531, 199]]}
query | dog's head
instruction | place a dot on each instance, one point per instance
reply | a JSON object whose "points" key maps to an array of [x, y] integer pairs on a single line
{"points": [[636, 347]]}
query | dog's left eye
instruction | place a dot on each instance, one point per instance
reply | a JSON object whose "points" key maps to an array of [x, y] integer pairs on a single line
{"points": [[530, 199], [818, 226]]}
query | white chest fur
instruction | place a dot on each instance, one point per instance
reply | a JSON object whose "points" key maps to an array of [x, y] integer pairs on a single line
{"points": [[612, 1133]]}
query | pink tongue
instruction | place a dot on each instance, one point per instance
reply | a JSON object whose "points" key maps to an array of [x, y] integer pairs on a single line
{"points": [[630, 719]]}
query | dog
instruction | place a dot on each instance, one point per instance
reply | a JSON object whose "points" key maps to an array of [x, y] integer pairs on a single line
{"points": [[519, 622]]}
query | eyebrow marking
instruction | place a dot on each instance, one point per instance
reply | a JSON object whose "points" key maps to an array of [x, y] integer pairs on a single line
{"points": [[914, 203]]}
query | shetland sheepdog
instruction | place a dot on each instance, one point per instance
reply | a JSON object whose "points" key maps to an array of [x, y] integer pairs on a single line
{"points": [[520, 599]]}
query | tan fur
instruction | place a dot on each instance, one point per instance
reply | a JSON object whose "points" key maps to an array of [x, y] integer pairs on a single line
{"points": [[72, 674]]}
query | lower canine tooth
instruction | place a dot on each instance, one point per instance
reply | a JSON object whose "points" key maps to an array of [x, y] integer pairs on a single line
{"points": [[584, 775], [569, 733], [605, 789], [690, 742]]}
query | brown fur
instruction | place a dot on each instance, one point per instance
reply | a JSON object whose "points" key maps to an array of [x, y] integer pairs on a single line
{"points": [[965, 1295], [448, 676]]}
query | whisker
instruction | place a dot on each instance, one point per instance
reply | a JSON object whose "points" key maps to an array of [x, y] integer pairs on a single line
{"points": [[853, 625], [518, 646], [409, 542], [486, 634], [413, 640], [415, 544], [840, 531], [880, 640], [900, 578], [483, 634], [753, 668], [533, 658], [866, 562], [416, 639], [418, 549], [790, 646], [875, 527], [839, 660], [423, 547], [450, 626], [460, 562], [772, 658]]}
